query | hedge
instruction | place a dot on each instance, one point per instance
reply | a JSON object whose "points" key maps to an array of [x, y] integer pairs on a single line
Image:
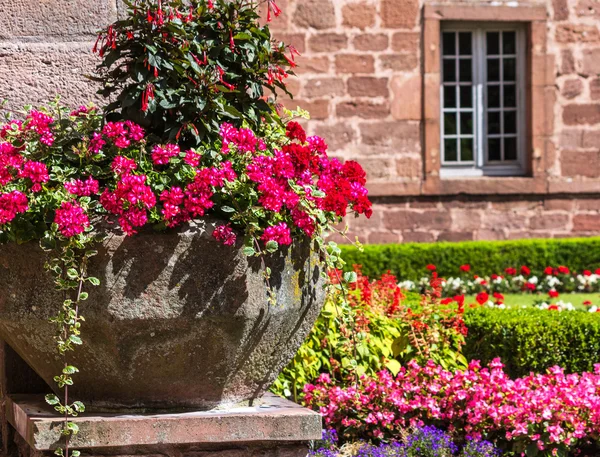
{"points": [[408, 261], [533, 340]]}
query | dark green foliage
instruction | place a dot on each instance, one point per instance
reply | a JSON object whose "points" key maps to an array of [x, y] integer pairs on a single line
{"points": [[533, 340], [180, 68], [408, 261]]}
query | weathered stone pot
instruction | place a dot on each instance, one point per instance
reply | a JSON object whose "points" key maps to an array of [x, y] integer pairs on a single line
{"points": [[179, 321]]}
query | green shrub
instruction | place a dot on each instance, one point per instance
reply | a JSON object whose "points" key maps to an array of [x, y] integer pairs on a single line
{"points": [[533, 340], [408, 261]]}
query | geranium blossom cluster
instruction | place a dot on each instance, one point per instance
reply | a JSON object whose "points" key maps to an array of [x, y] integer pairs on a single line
{"points": [[554, 280], [272, 186], [551, 412]]}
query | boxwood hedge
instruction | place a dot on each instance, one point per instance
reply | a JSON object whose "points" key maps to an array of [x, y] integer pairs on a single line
{"points": [[408, 261], [533, 340]]}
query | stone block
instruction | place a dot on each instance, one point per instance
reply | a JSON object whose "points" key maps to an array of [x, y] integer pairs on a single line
{"points": [[582, 113], [327, 42], [363, 108], [297, 40], [318, 64], [414, 220], [406, 42], [371, 42], [590, 64], [354, 63], [338, 136], [406, 97], [409, 167], [360, 15], [561, 10], [323, 87], [550, 221], [577, 33], [417, 237], [399, 62], [368, 86], [400, 136], [73, 20], [317, 14], [580, 163], [34, 73], [318, 109], [572, 88], [586, 223], [399, 14]]}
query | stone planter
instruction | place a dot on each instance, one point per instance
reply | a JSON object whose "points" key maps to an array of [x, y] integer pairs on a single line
{"points": [[179, 321]]}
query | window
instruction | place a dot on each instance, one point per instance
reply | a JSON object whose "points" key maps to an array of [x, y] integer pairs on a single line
{"points": [[482, 94]]}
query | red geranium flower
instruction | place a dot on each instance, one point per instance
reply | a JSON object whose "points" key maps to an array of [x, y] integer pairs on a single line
{"points": [[510, 271], [466, 267], [525, 271], [498, 296], [431, 267], [460, 299], [549, 271], [564, 270], [587, 273], [482, 297], [553, 293], [553, 308], [446, 301], [587, 303]]}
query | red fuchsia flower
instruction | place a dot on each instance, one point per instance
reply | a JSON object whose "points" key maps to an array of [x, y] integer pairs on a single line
{"points": [[510, 271], [83, 188], [37, 172], [431, 267], [11, 204], [525, 271], [161, 155], [272, 8], [123, 166], [465, 268], [294, 131], [552, 293], [279, 233], [225, 234], [563, 270], [482, 298], [71, 219], [587, 273]]}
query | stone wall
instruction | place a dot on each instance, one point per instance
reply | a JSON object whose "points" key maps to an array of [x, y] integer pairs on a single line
{"points": [[361, 77]]}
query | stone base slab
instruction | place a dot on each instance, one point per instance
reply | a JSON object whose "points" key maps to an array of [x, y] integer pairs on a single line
{"points": [[272, 427]]}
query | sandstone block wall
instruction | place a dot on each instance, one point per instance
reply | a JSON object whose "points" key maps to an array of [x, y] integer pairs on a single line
{"points": [[361, 77]]}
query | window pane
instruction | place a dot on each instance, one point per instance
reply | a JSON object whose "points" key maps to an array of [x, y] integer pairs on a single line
{"points": [[464, 43], [450, 150], [450, 123], [510, 148], [466, 96], [466, 123], [510, 96], [449, 96], [510, 69], [465, 70], [449, 70], [509, 42], [493, 96], [510, 122], [494, 149], [493, 40], [449, 44], [466, 149], [494, 123], [493, 70]]}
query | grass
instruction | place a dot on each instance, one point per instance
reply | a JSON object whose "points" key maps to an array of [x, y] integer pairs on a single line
{"points": [[516, 300]]}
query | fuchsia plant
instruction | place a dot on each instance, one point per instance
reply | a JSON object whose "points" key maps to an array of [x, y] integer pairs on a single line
{"points": [[540, 414]]}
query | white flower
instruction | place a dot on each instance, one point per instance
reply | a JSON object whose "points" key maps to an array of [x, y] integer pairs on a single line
{"points": [[406, 285], [593, 309]]}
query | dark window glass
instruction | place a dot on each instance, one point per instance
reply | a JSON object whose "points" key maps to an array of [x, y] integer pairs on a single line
{"points": [[448, 44], [510, 69], [466, 96], [464, 43], [510, 122], [449, 70], [509, 42], [466, 149], [510, 148], [493, 43], [450, 123], [510, 96], [493, 96], [449, 96], [450, 150], [466, 123], [493, 123], [494, 149], [493, 70], [465, 69]]}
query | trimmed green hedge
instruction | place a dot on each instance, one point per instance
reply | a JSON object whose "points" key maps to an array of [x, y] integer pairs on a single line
{"points": [[408, 261], [533, 340]]}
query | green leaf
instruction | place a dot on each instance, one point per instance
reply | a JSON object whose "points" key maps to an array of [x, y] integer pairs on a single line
{"points": [[350, 277], [227, 209], [83, 296], [75, 339], [272, 246], [70, 369], [52, 399], [94, 281], [393, 365], [249, 251], [72, 273]]}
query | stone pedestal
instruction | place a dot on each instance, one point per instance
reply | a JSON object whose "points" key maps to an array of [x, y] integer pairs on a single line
{"points": [[271, 427]]}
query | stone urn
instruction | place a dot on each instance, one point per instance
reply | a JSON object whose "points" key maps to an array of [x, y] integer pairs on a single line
{"points": [[179, 321]]}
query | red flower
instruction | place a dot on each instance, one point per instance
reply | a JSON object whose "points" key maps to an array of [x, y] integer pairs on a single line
{"points": [[530, 286], [525, 271], [495, 276], [587, 303], [564, 270], [466, 267], [446, 301], [482, 297], [553, 293], [587, 273], [549, 271], [597, 271], [294, 131], [432, 267], [510, 271], [553, 308], [460, 299], [498, 296]]}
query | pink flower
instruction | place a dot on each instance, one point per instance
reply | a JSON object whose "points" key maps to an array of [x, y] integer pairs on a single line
{"points": [[11, 204], [71, 219], [122, 165], [82, 188], [37, 172], [225, 234], [279, 233], [96, 143], [162, 155], [40, 123], [192, 158]]}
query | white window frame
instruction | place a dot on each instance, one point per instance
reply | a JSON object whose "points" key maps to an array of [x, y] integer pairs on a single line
{"points": [[480, 166]]}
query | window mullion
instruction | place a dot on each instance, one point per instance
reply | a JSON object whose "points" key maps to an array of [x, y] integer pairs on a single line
{"points": [[479, 62]]}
